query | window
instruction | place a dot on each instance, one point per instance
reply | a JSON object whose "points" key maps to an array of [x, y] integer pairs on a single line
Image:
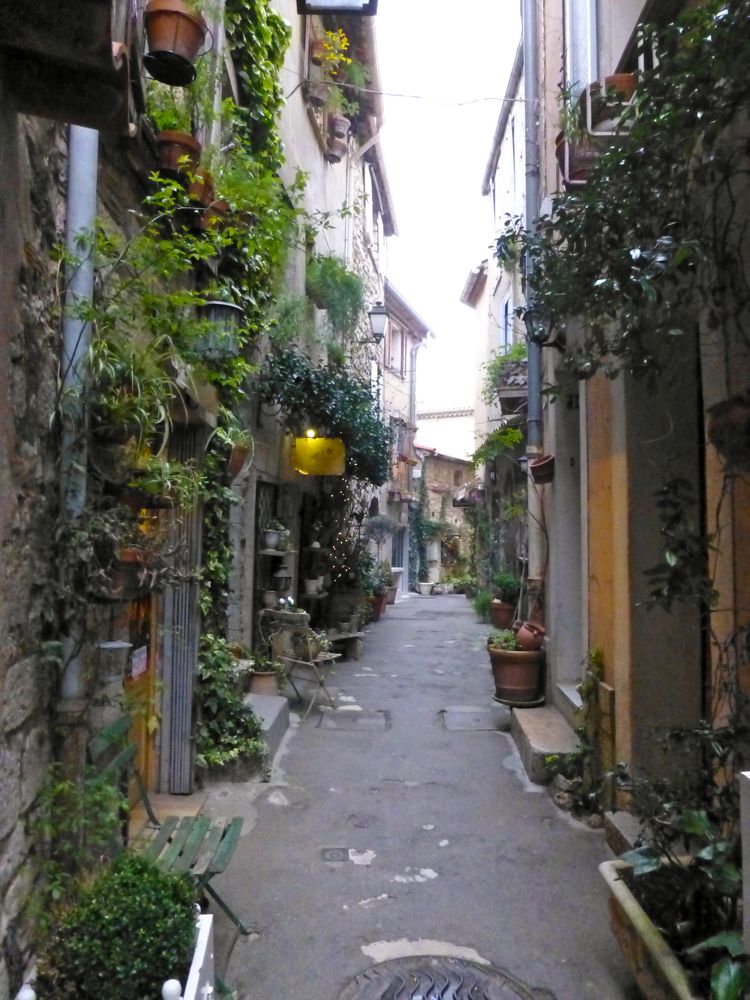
{"points": [[506, 329], [396, 349], [581, 63], [457, 478]]}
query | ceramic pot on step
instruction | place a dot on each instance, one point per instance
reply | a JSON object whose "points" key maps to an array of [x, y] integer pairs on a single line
{"points": [[530, 635]]}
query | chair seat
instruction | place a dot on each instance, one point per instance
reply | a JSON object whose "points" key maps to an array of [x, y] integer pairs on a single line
{"points": [[198, 845]]}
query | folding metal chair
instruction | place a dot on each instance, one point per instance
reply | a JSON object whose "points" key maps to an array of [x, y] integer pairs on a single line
{"points": [[311, 670]]}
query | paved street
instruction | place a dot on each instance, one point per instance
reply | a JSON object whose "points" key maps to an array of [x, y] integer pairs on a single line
{"points": [[391, 829]]}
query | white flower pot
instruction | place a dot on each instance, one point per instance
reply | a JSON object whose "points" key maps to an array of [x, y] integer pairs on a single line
{"points": [[270, 539], [425, 589]]}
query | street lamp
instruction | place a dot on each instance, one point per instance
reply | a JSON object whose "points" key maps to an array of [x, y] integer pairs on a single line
{"points": [[368, 7], [378, 318]]}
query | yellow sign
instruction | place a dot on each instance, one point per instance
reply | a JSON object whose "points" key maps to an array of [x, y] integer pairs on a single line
{"points": [[319, 456]]}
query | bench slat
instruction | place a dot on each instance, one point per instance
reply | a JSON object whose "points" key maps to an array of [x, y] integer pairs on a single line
{"points": [[159, 840], [210, 846], [173, 849], [200, 826], [226, 848]]}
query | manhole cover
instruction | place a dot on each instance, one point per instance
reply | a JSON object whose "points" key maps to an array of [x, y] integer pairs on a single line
{"points": [[466, 718], [340, 719], [432, 978], [334, 855]]}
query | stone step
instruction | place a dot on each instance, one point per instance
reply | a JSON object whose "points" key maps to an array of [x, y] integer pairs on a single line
{"points": [[539, 733], [273, 712]]}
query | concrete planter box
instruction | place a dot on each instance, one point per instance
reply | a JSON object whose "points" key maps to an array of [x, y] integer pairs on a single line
{"points": [[656, 968]]}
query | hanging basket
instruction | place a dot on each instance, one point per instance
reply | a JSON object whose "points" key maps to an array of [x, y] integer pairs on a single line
{"points": [[175, 32]]}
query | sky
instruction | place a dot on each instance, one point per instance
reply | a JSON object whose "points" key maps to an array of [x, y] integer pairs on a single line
{"points": [[456, 59]]}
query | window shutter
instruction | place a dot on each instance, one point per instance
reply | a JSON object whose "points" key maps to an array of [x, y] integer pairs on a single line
{"points": [[581, 64]]}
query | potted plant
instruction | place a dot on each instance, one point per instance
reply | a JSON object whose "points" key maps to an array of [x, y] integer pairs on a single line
{"points": [[95, 927], [333, 287], [267, 677], [390, 586], [175, 31], [425, 587], [517, 672], [271, 534], [171, 115], [506, 588], [675, 904]]}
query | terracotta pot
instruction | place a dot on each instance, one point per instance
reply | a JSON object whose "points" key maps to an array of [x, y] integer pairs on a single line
{"points": [[620, 86], [390, 595], [237, 459], [175, 32], [542, 469], [264, 682], [501, 614], [201, 188], [215, 215], [317, 51], [377, 605], [316, 93], [530, 635], [517, 675], [336, 150], [178, 152]]}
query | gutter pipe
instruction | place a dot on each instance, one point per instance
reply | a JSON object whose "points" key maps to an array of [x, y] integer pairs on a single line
{"points": [[532, 104], [83, 151]]}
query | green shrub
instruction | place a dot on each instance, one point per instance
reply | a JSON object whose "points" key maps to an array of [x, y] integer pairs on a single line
{"points": [[482, 605], [505, 638], [130, 928], [507, 586]]}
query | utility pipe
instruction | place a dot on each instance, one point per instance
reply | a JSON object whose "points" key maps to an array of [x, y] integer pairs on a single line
{"points": [[534, 438], [83, 151]]}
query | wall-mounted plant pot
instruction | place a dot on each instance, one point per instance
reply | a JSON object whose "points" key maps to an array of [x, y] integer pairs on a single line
{"points": [[316, 93], [620, 86], [220, 343], [317, 51], [214, 216], [178, 153], [517, 675], [575, 159], [127, 577], [338, 127], [336, 150], [542, 469], [175, 32], [201, 188], [237, 458], [729, 430]]}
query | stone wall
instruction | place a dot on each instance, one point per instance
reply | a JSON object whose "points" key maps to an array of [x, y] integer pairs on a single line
{"points": [[32, 166]]}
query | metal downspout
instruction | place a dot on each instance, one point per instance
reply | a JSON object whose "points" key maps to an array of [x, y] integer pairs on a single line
{"points": [[534, 372], [83, 151]]}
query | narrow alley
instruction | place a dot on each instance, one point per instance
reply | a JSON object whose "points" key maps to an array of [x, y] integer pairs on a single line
{"points": [[403, 824]]}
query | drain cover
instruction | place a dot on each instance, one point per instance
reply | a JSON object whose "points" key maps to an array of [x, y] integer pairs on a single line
{"points": [[432, 978], [342, 719]]}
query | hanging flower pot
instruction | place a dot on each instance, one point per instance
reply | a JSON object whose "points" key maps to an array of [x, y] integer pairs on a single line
{"points": [[317, 51], [542, 469], [175, 32], [219, 342], [213, 216], [316, 93], [179, 152]]}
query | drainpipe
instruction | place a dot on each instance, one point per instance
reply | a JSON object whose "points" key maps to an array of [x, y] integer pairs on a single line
{"points": [[406, 576], [76, 336], [534, 439]]}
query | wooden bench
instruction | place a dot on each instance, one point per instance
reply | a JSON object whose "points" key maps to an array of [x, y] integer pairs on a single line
{"points": [[201, 846], [350, 644]]}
